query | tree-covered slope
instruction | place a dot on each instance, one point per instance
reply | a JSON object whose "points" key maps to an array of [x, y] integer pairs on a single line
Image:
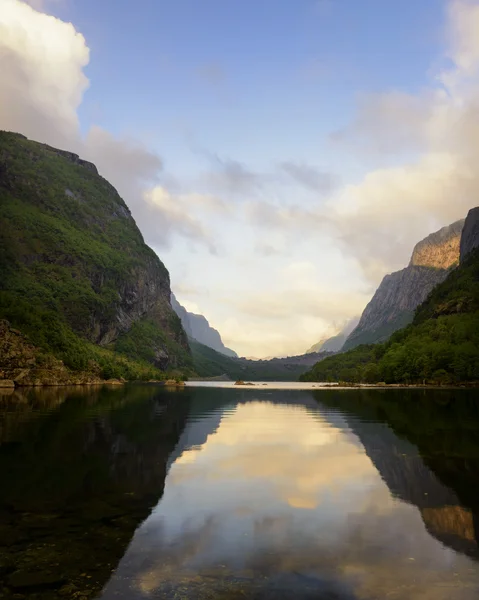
{"points": [[210, 363], [75, 274], [440, 346]]}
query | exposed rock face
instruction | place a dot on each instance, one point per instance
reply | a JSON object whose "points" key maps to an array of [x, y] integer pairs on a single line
{"points": [[198, 328], [470, 233], [440, 250], [399, 294]]}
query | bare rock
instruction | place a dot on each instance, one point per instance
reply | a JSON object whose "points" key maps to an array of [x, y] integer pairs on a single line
{"points": [[470, 233]]}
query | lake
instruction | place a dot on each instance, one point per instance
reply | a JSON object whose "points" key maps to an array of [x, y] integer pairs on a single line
{"points": [[222, 492]]}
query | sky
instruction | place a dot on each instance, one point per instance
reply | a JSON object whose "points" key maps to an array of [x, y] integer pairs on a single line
{"points": [[280, 156]]}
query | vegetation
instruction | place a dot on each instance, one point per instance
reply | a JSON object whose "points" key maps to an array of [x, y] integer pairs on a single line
{"points": [[441, 346], [69, 251], [209, 363], [382, 333]]}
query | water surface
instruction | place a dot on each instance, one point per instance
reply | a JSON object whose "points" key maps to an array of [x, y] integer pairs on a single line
{"points": [[217, 492]]}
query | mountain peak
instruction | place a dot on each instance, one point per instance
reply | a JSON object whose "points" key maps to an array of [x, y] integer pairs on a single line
{"points": [[440, 249]]}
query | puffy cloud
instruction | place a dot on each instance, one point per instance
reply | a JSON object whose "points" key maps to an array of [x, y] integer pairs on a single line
{"points": [[382, 217], [176, 216], [42, 82], [41, 89], [431, 140]]}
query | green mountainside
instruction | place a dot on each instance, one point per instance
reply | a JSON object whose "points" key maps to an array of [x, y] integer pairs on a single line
{"points": [[441, 345], [76, 276]]}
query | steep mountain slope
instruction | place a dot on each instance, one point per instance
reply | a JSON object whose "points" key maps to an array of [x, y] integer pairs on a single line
{"points": [[76, 275], [440, 346], [470, 233], [392, 306], [198, 328], [335, 343]]}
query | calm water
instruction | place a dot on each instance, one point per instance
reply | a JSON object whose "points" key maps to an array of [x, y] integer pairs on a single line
{"points": [[225, 493]]}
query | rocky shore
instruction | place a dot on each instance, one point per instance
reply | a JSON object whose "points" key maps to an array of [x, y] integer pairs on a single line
{"points": [[23, 365]]}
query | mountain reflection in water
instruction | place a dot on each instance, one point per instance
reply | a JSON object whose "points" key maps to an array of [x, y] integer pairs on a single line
{"points": [[239, 493]]}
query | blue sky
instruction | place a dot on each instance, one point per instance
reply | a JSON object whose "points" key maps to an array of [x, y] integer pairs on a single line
{"points": [[256, 80], [280, 156]]}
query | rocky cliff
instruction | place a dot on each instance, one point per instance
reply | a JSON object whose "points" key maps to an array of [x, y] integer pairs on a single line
{"points": [[399, 294], [198, 328], [76, 272], [470, 233]]}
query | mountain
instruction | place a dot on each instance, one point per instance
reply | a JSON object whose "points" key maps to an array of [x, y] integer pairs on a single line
{"points": [[76, 275], [441, 345], [392, 306], [335, 343], [210, 363], [198, 328], [470, 234]]}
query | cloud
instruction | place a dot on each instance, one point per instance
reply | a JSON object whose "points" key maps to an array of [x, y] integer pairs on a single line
{"points": [[382, 217], [41, 88], [42, 82], [309, 177], [137, 172], [230, 176], [315, 302], [431, 140], [176, 215]]}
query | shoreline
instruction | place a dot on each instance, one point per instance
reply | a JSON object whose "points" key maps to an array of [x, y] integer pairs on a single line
{"points": [[10, 385]]}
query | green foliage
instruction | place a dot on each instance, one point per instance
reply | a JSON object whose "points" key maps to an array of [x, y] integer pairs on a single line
{"points": [[441, 345], [145, 340], [69, 249], [380, 334], [210, 363]]}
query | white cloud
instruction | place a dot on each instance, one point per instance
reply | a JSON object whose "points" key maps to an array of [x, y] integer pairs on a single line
{"points": [[41, 88], [42, 82], [431, 139]]}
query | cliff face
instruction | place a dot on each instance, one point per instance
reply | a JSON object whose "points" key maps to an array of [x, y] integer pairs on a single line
{"points": [[74, 264], [399, 294], [198, 328], [470, 233]]}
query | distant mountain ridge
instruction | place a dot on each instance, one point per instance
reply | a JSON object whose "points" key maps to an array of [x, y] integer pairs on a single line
{"points": [[210, 363], [336, 342], [399, 294], [198, 328]]}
